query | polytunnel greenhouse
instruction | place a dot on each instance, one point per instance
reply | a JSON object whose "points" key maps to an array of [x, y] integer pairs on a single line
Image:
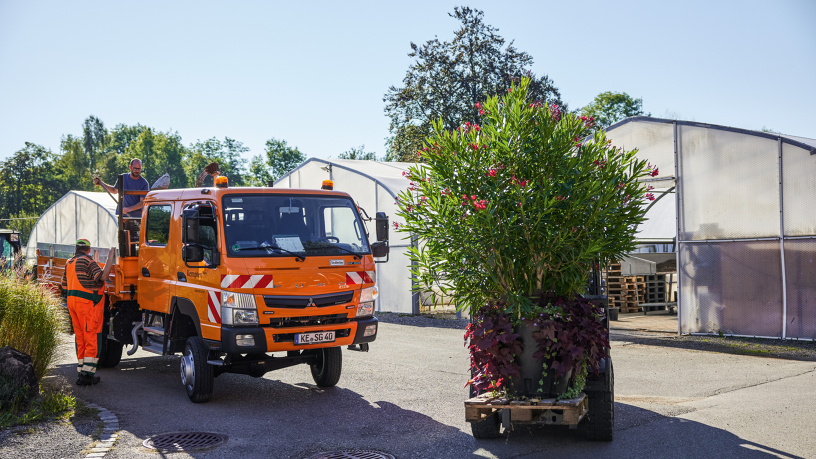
{"points": [[78, 214], [744, 224], [374, 186]]}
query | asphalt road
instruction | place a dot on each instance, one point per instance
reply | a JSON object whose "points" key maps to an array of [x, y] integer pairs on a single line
{"points": [[405, 397]]}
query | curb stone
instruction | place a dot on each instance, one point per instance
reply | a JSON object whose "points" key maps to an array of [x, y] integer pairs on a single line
{"points": [[109, 433]]}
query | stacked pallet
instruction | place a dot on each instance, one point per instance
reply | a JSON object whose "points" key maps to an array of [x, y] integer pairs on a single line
{"points": [[655, 289], [624, 291]]}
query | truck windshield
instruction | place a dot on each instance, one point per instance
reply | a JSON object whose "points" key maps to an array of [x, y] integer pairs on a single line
{"points": [[303, 225]]}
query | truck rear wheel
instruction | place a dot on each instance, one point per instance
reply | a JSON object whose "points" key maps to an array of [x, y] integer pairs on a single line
{"points": [[196, 374], [599, 422], [327, 367], [111, 353]]}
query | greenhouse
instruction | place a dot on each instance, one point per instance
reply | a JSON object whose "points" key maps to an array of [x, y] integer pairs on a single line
{"points": [[744, 224], [374, 186], [59, 223]]}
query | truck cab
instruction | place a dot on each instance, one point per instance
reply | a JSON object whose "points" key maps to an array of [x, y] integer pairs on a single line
{"points": [[245, 280], [9, 247]]}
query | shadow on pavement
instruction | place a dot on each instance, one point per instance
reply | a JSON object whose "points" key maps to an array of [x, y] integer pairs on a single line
{"points": [[757, 347]]}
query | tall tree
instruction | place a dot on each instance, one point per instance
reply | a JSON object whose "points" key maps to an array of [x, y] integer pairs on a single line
{"points": [[279, 158], [227, 154], [610, 107], [74, 165], [118, 152], [160, 152], [94, 137], [358, 153], [448, 79]]}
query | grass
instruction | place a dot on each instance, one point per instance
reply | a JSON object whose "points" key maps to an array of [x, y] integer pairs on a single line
{"points": [[31, 319], [51, 403]]}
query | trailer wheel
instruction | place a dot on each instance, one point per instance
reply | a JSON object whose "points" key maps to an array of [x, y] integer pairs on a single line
{"points": [[488, 428], [599, 422], [196, 374], [111, 353], [327, 366]]}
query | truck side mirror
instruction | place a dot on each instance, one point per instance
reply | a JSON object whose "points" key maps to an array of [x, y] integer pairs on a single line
{"points": [[380, 249], [382, 226], [189, 219], [192, 254]]}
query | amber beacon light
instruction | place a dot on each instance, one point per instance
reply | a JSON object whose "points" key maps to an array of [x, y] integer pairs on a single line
{"points": [[327, 185], [221, 182]]}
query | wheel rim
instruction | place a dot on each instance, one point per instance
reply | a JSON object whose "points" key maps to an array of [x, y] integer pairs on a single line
{"points": [[188, 369]]}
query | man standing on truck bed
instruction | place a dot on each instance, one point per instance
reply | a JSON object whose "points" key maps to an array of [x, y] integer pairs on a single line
{"points": [[84, 284], [132, 204]]}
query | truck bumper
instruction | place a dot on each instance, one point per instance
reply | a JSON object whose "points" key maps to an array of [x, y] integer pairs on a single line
{"points": [[229, 336], [371, 324]]}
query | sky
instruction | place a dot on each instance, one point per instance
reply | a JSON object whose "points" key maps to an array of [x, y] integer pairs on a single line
{"points": [[314, 73]]}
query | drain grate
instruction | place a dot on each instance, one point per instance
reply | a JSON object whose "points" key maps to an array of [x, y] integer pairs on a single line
{"points": [[184, 441], [353, 454]]}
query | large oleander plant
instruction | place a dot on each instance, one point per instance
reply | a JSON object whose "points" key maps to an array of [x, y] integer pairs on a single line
{"points": [[509, 214]]}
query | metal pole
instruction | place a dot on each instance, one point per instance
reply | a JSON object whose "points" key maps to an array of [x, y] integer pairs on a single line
{"points": [[782, 247], [677, 210]]}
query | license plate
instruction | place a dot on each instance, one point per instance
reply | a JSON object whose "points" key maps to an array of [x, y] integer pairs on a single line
{"points": [[314, 338]]}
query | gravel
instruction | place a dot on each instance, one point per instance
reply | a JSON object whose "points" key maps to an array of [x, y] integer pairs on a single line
{"points": [[55, 439]]}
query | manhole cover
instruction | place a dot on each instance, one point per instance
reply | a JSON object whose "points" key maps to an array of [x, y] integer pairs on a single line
{"points": [[184, 441], [353, 454]]}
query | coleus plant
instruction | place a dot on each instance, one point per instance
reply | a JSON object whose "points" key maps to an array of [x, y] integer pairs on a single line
{"points": [[516, 207]]}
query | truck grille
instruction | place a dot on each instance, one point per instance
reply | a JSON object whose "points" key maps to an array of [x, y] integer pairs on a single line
{"points": [[285, 322], [300, 302], [290, 337]]}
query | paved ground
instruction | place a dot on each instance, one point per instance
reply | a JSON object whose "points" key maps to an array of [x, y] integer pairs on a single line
{"points": [[405, 398]]}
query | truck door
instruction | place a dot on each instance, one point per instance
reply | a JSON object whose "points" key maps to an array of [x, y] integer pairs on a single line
{"points": [[156, 258]]}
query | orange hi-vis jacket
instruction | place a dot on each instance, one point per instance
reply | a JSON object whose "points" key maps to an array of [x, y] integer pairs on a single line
{"points": [[87, 310]]}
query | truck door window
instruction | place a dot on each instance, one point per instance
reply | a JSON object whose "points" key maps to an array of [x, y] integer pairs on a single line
{"points": [[158, 225]]}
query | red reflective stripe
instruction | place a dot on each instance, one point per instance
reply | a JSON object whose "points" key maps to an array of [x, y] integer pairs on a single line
{"points": [[366, 278], [240, 281], [213, 309]]}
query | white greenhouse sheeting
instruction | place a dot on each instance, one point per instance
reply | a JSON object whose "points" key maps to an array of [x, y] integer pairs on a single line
{"points": [[78, 214], [373, 186], [744, 219]]}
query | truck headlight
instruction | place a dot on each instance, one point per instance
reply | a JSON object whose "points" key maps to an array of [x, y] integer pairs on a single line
{"points": [[238, 309], [365, 309], [369, 294], [244, 317]]}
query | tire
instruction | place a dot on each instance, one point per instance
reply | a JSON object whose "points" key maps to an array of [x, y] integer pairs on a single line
{"points": [[196, 374], [327, 367], [111, 353], [599, 422], [488, 428]]}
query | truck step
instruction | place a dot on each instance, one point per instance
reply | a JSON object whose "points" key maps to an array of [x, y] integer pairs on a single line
{"points": [[155, 330], [153, 348]]}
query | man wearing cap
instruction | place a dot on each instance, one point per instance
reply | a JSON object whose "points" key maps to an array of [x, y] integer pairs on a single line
{"points": [[84, 283]]}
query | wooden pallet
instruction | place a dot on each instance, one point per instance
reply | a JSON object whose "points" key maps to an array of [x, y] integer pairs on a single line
{"points": [[533, 411]]}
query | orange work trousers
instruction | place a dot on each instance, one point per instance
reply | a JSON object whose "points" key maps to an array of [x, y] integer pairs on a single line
{"points": [[87, 319]]}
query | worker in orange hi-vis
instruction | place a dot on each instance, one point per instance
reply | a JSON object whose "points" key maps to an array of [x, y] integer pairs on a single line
{"points": [[84, 283]]}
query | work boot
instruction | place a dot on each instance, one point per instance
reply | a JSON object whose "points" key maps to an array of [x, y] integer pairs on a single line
{"points": [[87, 380]]}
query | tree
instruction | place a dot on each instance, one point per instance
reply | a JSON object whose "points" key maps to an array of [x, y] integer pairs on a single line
{"points": [[610, 107], [160, 152], [448, 79], [27, 182], [227, 154], [359, 154], [279, 159], [94, 137]]}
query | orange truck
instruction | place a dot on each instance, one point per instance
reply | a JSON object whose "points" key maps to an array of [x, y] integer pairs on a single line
{"points": [[239, 280]]}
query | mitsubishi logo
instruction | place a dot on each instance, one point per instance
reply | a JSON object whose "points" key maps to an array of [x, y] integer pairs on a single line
{"points": [[310, 303]]}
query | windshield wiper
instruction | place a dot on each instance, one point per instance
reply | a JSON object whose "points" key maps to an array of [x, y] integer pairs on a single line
{"points": [[356, 255], [269, 247]]}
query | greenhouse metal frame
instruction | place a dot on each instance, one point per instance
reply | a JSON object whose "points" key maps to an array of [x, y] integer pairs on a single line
{"points": [[746, 227]]}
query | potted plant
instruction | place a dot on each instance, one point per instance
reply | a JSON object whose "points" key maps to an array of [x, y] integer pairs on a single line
{"points": [[509, 215]]}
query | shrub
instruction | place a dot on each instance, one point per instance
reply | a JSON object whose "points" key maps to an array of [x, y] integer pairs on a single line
{"points": [[513, 212]]}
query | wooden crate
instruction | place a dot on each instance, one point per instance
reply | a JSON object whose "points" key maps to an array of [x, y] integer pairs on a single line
{"points": [[532, 411]]}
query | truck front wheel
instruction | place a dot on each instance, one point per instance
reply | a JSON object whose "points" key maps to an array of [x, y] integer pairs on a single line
{"points": [[196, 374], [599, 422], [327, 366]]}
